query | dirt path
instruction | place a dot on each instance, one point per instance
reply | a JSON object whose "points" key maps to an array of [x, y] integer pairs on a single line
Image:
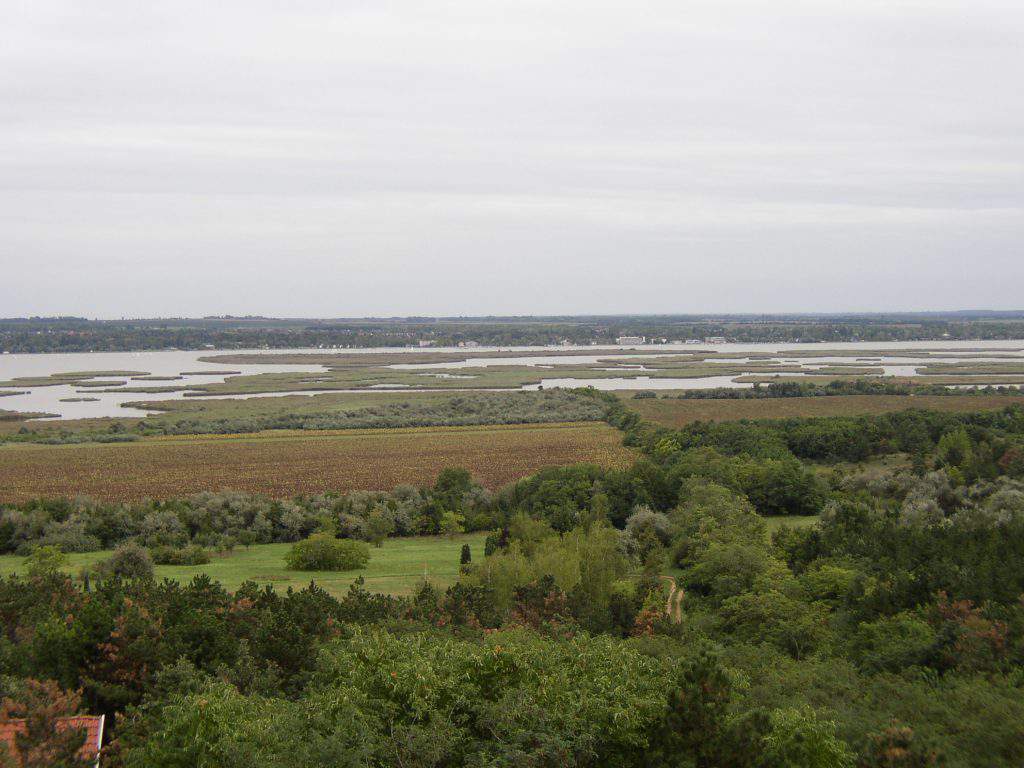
{"points": [[674, 604]]}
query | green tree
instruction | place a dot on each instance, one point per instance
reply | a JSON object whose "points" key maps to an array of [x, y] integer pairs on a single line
{"points": [[798, 739], [695, 722], [379, 526], [219, 726], [790, 624], [955, 449], [891, 643], [451, 487], [452, 524], [44, 561], [529, 532]]}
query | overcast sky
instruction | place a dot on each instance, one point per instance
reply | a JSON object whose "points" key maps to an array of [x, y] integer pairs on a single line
{"points": [[342, 158]]}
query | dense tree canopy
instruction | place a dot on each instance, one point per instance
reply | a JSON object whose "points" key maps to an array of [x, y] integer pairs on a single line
{"points": [[641, 616]]}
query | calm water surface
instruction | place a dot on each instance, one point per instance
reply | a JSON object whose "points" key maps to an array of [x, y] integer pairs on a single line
{"points": [[176, 363]]}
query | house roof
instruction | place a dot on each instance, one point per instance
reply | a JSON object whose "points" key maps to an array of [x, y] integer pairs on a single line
{"points": [[93, 725]]}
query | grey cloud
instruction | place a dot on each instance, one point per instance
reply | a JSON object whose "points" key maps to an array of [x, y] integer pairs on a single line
{"points": [[354, 158]]}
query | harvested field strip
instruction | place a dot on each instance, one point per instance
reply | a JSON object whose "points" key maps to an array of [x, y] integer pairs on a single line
{"points": [[678, 413], [284, 466]]}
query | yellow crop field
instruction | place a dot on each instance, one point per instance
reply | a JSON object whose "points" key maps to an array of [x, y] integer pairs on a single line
{"points": [[288, 464]]}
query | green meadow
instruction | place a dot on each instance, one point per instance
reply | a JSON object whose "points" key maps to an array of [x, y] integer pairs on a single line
{"points": [[396, 568]]}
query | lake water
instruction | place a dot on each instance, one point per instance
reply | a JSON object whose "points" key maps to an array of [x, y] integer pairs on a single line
{"points": [[176, 363]]}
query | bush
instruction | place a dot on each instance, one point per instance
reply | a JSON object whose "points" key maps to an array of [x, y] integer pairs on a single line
{"points": [[194, 555], [129, 561], [44, 561], [70, 536], [322, 552]]}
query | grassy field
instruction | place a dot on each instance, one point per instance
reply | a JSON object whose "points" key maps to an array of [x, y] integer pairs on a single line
{"points": [[678, 413], [396, 568], [284, 464]]}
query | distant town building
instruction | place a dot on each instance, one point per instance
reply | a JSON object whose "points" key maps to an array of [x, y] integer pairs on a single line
{"points": [[714, 339], [469, 344], [630, 340], [425, 343]]}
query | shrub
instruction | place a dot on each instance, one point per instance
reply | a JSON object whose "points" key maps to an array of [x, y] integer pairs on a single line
{"points": [[129, 561], [322, 552], [70, 536], [44, 561], [452, 524], [193, 555], [379, 526]]}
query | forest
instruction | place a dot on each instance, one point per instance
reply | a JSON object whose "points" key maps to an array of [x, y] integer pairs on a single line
{"points": [[661, 614]]}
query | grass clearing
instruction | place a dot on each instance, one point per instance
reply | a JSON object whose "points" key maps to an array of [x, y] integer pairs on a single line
{"points": [[284, 464], [396, 568]]}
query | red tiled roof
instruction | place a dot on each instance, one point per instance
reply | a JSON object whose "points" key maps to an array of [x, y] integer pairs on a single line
{"points": [[93, 725]]}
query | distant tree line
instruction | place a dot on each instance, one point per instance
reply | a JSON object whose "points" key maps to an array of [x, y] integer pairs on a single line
{"points": [[69, 334], [858, 386]]}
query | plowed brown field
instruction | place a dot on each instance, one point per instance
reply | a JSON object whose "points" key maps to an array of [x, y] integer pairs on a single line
{"points": [[286, 464]]}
